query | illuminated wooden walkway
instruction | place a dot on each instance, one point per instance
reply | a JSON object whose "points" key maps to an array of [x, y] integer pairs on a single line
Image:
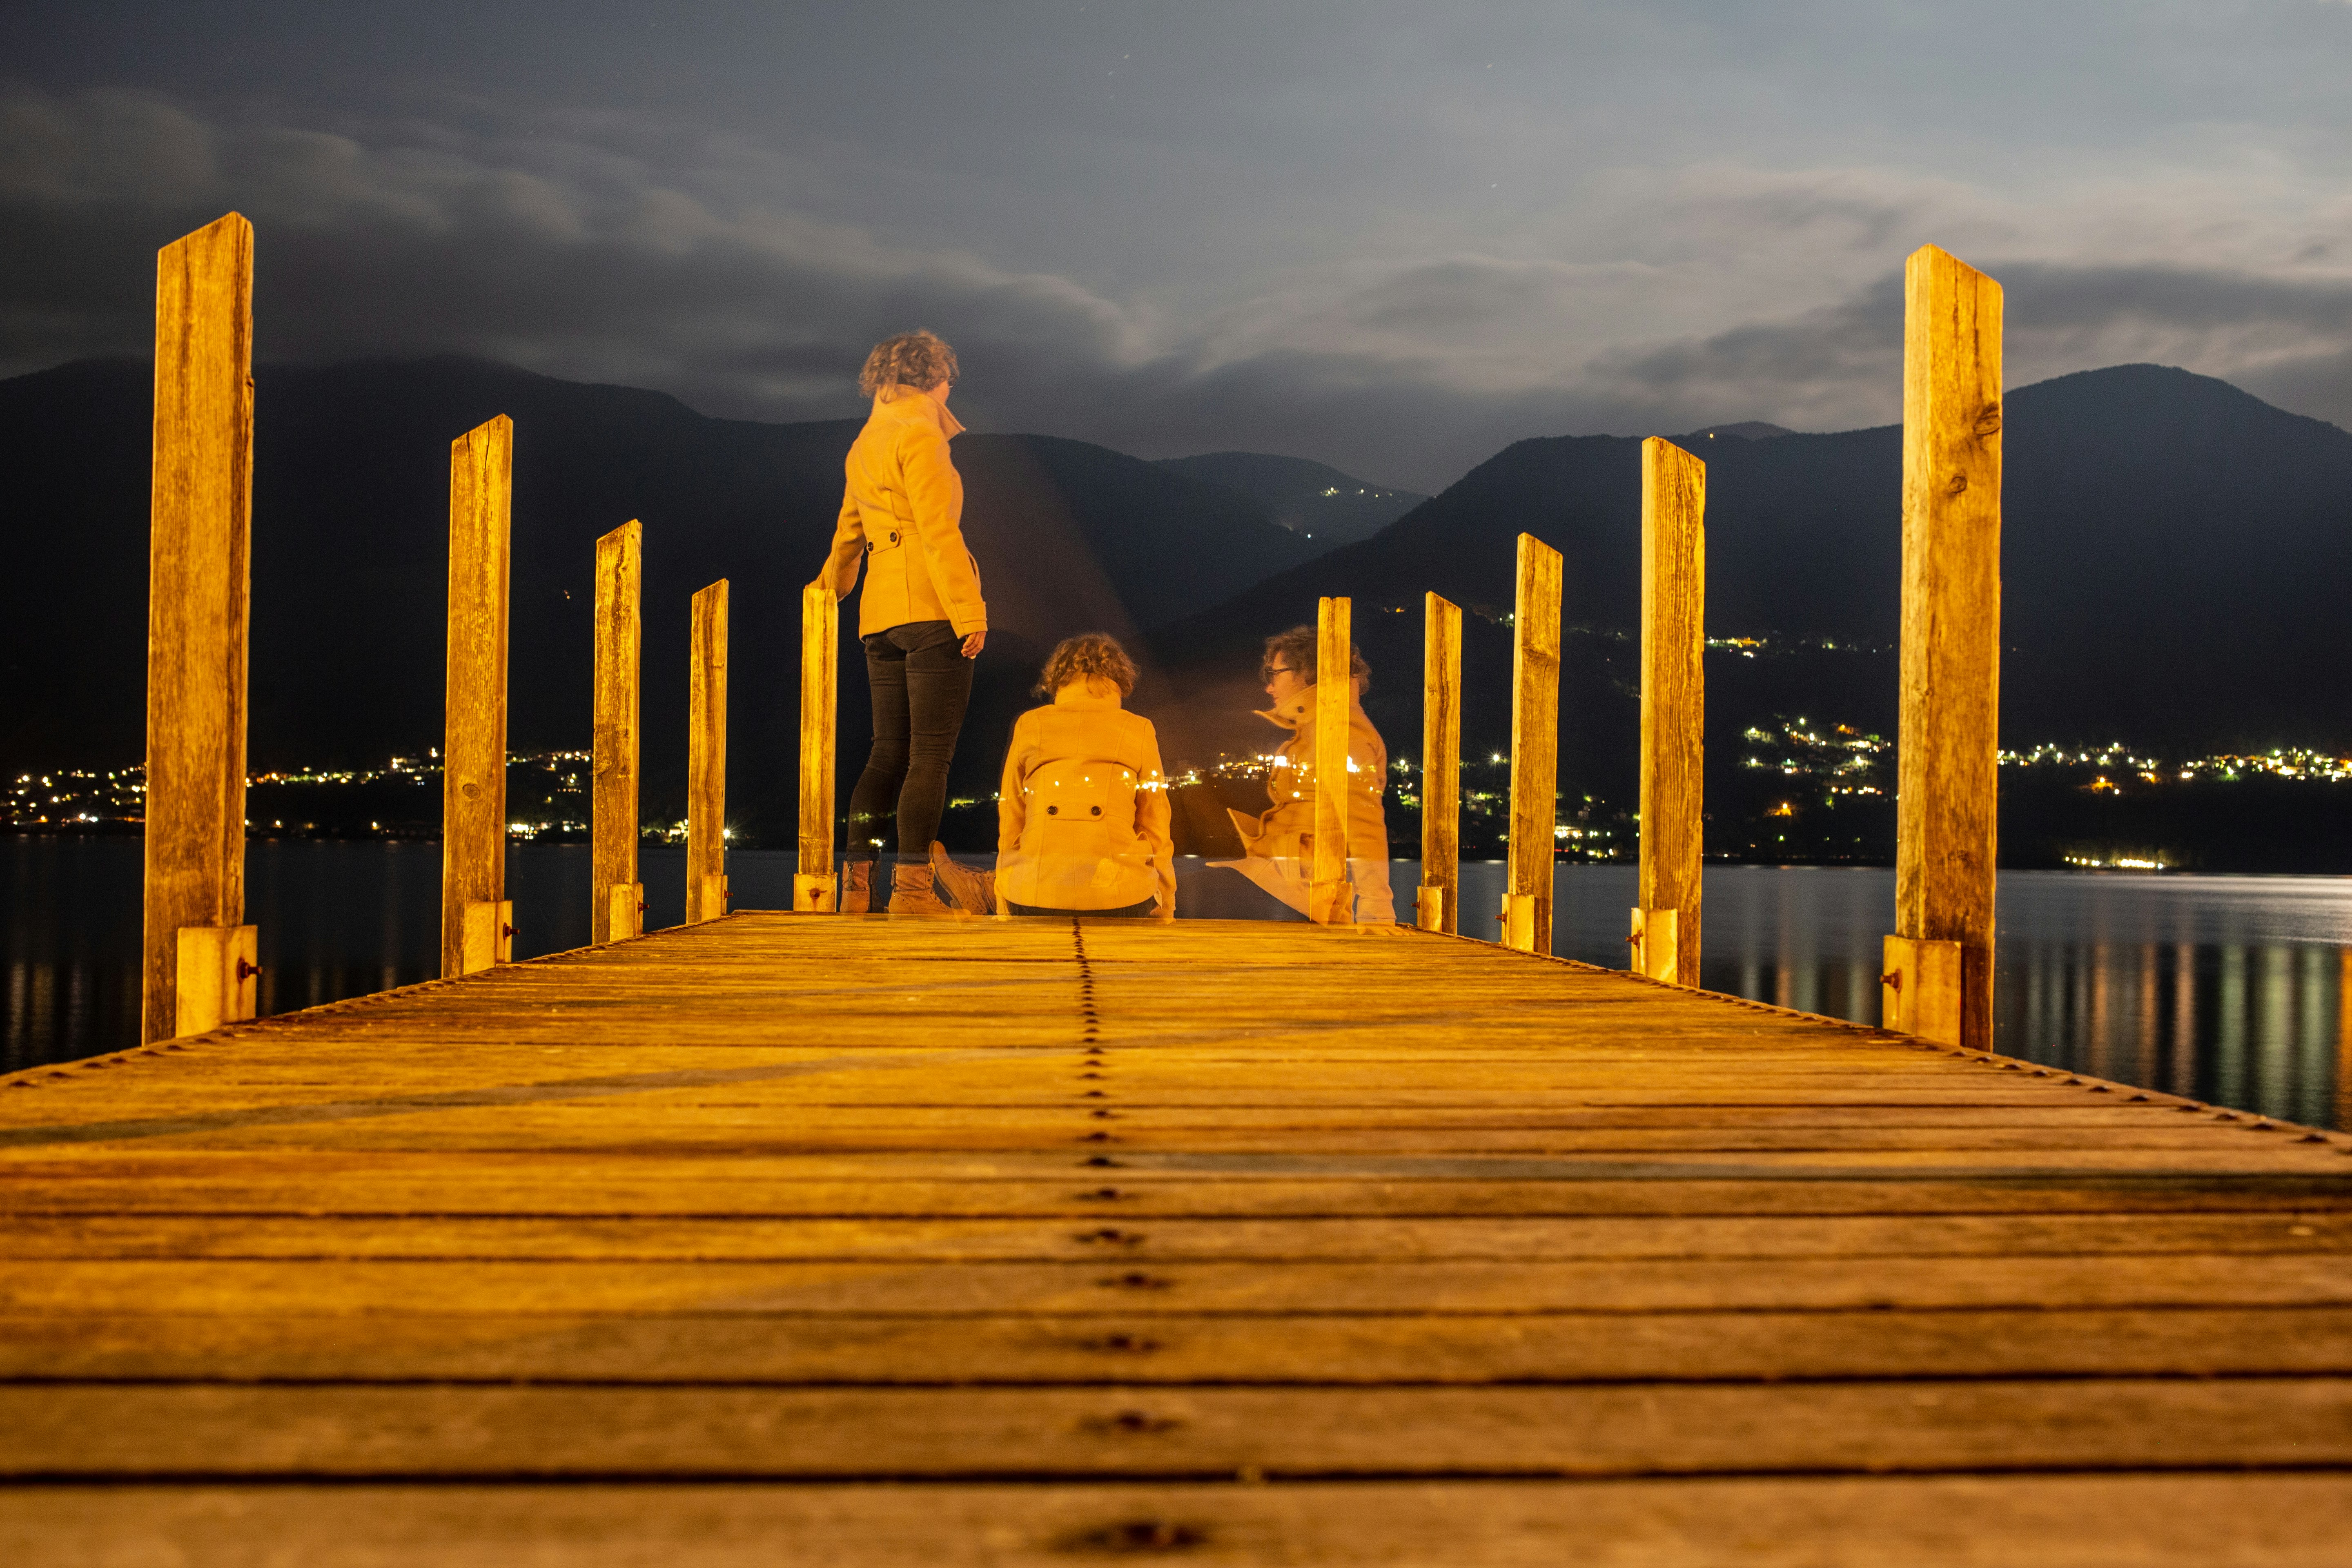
{"points": [[800, 1240]]}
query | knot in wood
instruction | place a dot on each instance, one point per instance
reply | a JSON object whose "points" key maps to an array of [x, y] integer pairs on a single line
{"points": [[1136, 1279], [1146, 1535], [1133, 1421]]}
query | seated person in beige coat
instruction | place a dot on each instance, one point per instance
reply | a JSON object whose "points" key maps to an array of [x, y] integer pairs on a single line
{"points": [[1083, 818], [1278, 844]]}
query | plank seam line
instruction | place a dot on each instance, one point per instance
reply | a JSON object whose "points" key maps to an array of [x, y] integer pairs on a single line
{"points": [[1142, 1388], [553, 1091], [1118, 1475], [1872, 1034], [248, 1028]]}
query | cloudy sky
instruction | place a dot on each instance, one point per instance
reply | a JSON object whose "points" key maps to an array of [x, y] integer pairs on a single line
{"points": [[1393, 237]]}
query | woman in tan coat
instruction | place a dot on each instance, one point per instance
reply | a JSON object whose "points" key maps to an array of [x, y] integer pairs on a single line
{"points": [[922, 619], [1278, 844], [1082, 818]]}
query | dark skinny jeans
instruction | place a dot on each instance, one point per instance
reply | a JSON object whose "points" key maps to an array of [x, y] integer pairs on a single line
{"points": [[921, 682]]}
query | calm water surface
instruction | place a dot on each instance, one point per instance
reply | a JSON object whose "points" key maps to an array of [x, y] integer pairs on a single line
{"points": [[2231, 989]]}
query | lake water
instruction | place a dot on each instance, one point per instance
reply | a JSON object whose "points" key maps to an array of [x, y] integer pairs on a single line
{"points": [[2230, 989]]}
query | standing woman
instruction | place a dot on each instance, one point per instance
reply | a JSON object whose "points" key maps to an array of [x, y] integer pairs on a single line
{"points": [[922, 619]]}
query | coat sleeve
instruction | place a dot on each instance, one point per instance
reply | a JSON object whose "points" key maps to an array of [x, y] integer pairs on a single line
{"points": [[1368, 826], [848, 552], [1152, 815], [935, 494], [1011, 810]]}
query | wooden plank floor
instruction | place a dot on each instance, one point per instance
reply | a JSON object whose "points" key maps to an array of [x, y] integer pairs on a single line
{"points": [[795, 1240]]}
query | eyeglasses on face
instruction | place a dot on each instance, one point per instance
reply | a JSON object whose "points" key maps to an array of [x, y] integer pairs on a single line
{"points": [[1268, 671]]}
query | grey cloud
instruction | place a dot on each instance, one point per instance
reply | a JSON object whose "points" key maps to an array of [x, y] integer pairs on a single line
{"points": [[1840, 365], [631, 251]]}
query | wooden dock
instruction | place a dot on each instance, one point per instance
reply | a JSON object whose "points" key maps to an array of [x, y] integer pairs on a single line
{"points": [[789, 1240]]}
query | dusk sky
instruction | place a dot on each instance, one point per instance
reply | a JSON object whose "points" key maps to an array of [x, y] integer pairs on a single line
{"points": [[1394, 238]]}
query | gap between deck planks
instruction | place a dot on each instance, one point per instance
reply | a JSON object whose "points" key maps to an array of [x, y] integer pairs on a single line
{"points": [[801, 1203]]}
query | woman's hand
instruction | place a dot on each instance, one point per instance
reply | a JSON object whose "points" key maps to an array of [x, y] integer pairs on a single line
{"points": [[975, 643]]}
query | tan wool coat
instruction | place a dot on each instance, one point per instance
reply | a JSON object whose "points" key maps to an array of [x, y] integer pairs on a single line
{"points": [[1286, 831], [1082, 816], [902, 515]]}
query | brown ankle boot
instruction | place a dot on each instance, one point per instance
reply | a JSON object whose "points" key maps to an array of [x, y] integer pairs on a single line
{"points": [[857, 887], [972, 892], [911, 892]]}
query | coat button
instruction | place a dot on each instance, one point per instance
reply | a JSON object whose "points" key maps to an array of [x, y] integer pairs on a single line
{"points": [[1052, 811], [1098, 811]]}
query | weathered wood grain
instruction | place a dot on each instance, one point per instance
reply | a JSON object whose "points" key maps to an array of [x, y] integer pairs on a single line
{"points": [[2149, 1521], [191, 1431], [474, 741], [199, 580], [706, 760], [1225, 1348], [1949, 773], [1061, 1220], [1440, 767], [1535, 746], [615, 896], [1673, 710]]}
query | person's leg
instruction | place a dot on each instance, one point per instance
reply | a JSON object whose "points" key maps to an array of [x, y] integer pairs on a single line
{"points": [[874, 804], [938, 687]]}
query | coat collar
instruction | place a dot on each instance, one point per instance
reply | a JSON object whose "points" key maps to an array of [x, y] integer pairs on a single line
{"points": [[910, 404], [1092, 694]]}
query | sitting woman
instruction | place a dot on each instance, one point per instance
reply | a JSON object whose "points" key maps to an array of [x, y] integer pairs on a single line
{"points": [[1278, 844], [1082, 821]]}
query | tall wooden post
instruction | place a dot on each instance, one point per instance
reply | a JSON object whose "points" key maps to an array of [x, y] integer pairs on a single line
{"points": [[2344, 1037], [1673, 711], [199, 578], [1938, 975], [1439, 902], [706, 760], [616, 907], [1329, 897], [1535, 747], [815, 884], [477, 921]]}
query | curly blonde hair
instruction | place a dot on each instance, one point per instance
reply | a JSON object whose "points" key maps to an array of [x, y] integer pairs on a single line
{"points": [[920, 360], [1095, 654]]}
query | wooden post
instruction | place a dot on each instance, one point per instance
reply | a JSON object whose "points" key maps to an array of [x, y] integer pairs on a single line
{"points": [[199, 580], [1673, 711], [474, 747], [1438, 904], [616, 898], [2344, 1037], [706, 760], [1948, 779], [1329, 897], [1535, 747], [815, 886]]}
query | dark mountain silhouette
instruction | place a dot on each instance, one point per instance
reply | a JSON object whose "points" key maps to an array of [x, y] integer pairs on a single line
{"points": [[1305, 497], [1745, 429], [2175, 561], [349, 560], [2176, 554]]}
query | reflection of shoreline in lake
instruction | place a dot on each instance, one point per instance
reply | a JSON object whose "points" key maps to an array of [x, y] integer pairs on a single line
{"points": [[2229, 989]]}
